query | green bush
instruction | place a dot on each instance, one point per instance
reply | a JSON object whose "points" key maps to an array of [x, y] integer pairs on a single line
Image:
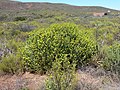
{"points": [[3, 17], [43, 46], [11, 64], [20, 18], [62, 75], [112, 58]]}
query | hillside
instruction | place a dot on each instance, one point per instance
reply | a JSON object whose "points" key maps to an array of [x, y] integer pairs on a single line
{"points": [[15, 5], [35, 10]]}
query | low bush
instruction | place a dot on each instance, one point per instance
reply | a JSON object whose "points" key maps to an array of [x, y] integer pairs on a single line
{"points": [[11, 64], [62, 75], [45, 44], [112, 58], [26, 27], [20, 18]]}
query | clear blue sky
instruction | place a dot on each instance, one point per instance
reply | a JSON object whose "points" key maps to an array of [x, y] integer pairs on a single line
{"points": [[114, 4]]}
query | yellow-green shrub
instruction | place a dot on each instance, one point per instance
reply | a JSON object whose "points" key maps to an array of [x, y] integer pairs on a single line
{"points": [[42, 47]]}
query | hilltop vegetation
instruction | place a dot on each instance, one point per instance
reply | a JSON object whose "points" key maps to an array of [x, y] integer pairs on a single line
{"points": [[57, 39], [10, 10]]}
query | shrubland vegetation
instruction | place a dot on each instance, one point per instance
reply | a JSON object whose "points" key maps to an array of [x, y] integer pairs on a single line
{"points": [[58, 40], [30, 43]]}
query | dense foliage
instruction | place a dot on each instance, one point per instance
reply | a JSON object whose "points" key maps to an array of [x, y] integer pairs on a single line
{"points": [[59, 39]]}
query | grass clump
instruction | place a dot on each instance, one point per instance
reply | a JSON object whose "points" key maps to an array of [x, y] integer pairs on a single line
{"points": [[112, 58], [62, 75], [11, 64]]}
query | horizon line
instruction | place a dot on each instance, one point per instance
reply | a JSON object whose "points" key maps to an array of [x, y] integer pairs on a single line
{"points": [[66, 4]]}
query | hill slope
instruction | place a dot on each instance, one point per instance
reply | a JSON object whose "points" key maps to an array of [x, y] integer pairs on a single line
{"points": [[14, 5], [36, 10]]}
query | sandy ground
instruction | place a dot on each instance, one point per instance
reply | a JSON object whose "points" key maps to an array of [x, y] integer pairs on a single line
{"points": [[27, 80], [87, 80]]}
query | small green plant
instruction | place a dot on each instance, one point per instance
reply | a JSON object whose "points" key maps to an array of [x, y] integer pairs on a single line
{"points": [[112, 58], [20, 18], [24, 88], [11, 64], [62, 75]]}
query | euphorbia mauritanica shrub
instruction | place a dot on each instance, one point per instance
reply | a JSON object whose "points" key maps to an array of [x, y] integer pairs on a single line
{"points": [[45, 44]]}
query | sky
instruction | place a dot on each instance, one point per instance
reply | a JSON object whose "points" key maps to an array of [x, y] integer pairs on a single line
{"points": [[113, 4]]}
